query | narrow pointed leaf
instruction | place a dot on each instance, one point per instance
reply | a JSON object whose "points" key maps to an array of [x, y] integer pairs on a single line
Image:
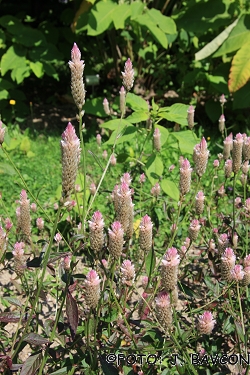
{"points": [[13, 301], [32, 364], [12, 317], [240, 69], [150, 262], [72, 313], [35, 339]]}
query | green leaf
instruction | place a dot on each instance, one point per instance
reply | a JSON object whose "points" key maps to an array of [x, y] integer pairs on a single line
{"points": [[115, 124], [136, 9], [240, 69], [28, 37], [176, 113], [150, 262], [6, 168], [35, 339], [101, 17], [123, 136], [211, 47], [122, 12], [187, 140], [136, 102], [154, 169], [157, 33], [170, 189], [4, 94], [237, 38], [13, 58], [242, 97], [31, 364], [37, 68], [137, 116], [72, 313], [18, 74], [25, 144], [164, 134], [13, 301], [95, 107], [166, 24], [239, 330], [61, 371]]}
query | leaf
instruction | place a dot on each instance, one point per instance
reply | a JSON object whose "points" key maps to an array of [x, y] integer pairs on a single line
{"points": [[240, 69], [136, 102], [122, 12], [5, 168], [137, 116], [187, 140], [31, 364], [150, 262], [242, 97], [10, 317], [18, 74], [157, 33], [166, 24], [237, 38], [154, 169], [72, 313], [101, 17], [4, 94], [61, 371], [25, 144], [37, 68], [13, 58], [13, 301], [211, 47], [95, 107], [35, 339], [239, 330], [123, 136], [175, 113], [170, 188], [115, 124]]}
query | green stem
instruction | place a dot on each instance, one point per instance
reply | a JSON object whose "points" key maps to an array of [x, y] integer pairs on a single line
{"points": [[84, 173]]}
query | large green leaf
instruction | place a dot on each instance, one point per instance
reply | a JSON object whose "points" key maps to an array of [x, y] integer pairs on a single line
{"points": [[240, 69], [101, 17], [4, 94], [242, 97], [157, 33], [28, 36], [124, 135], [238, 36], [19, 73], [211, 47], [95, 107], [115, 124], [136, 102], [186, 140], [13, 58], [166, 24], [170, 188], [136, 9], [122, 12], [37, 68], [154, 169], [137, 116], [176, 113]]}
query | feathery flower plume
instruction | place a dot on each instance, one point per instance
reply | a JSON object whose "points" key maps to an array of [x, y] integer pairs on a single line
{"points": [[157, 139], [246, 278], [185, 177], [142, 178], [163, 311], [228, 168], [237, 273], [128, 75], [126, 178], [169, 269], [206, 323], [194, 229], [70, 146], [77, 85], [223, 243], [99, 139], [19, 261], [127, 272], [124, 206], [190, 117], [116, 234], [92, 289], [145, 233], [96, 235], [33, 207], [24, 218], [2, 132], [3, 242], [237, 152], [228, 259], [156, 190], [222, 121], [246, 148], [40, 223], [8, 224], [200, 157], [66, 263], [106, 106], [113, 160], [216, 163], [122, 93], [228, 146], [199, 202], [245, 167]]}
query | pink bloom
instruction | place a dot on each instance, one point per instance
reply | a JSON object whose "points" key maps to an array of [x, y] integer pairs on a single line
{"points": [[105, 154], [128, 75], [113, 159], [126, 178], [216, 163], [92, 188], [155, 191], [40, 223], [66, 262], [142, 178], [8, 224], [33, 207], [223, 99], [77, 85], [92, 289], [58, 237], [128, 272], [190, 117], [163, 300], [206, 323], [99, 139], [237, 273], [106, 106], [18, 249]]}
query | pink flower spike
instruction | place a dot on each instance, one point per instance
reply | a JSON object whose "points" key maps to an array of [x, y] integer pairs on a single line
{"points": [[8, 224], [128, 75], [223, 99], [128, 272], [75, 54], [206, 323], [237, 273], [171, 258], [18, 249]]}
